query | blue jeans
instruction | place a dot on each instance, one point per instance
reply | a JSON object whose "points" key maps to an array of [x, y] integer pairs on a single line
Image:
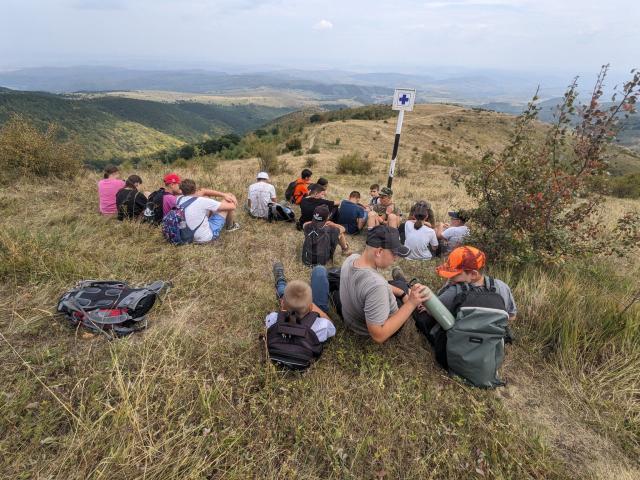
{"points": [[319, 287]]}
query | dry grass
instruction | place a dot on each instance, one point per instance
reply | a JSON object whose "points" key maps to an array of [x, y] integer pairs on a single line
{"points": [[193, 397]]}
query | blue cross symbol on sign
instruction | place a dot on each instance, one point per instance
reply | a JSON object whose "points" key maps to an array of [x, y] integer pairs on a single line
{"points": [[404, 99]]}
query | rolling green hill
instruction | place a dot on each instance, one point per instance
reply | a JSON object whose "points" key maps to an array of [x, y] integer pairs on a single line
{"points": [[123, 127]]}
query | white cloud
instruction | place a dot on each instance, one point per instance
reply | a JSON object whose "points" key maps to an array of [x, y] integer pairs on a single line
{"points": [[323, 25]]}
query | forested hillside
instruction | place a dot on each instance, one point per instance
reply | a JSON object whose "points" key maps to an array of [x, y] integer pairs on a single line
{"points": [[109, 127]]}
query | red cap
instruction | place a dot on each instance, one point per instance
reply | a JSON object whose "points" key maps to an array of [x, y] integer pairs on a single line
{"points": [[170, 178]]}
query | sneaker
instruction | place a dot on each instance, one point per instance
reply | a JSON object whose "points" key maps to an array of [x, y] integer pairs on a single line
{"points": [[234, 227], [398, 274], [278, 272]]}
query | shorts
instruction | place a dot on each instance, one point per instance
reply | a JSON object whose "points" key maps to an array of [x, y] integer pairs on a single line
{"points": [[216, 224]]}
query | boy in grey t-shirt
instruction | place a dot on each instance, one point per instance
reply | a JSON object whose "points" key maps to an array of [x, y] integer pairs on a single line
{"points": [[369, 305]]}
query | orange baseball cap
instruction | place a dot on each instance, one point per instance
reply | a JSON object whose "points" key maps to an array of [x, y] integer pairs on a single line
{"points": [[461, 259]]}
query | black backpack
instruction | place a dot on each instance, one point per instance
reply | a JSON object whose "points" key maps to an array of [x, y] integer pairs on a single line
{"points": [[288, 193], [319, 244], [152, 213], [108, 306], [280, 213], [291, 342]]}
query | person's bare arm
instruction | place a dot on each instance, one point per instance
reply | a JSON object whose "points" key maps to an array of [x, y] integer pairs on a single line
{"points": [[226, 206], [208, 192], [381, 333], [319, 311]]}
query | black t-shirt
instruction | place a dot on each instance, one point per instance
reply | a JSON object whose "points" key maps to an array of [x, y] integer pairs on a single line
{"points": [[309, 204], [130, 203]]}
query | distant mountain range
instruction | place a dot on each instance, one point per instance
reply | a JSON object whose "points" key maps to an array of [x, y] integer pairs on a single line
{"points": [[122, 127], [629, 135], [468, 87]]}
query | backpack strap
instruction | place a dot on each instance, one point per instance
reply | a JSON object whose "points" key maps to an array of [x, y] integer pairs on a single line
{"points": [[490, 284], [309, 319], [186, 204]]}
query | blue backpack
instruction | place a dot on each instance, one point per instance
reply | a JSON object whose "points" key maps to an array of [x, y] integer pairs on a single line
{"points": [[174, 224]]}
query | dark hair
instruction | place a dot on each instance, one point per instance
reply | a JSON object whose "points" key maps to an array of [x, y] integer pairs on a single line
{"points": [[316, 188], [306, 173], [132, 180], [323, 181], [354, 194], [424, 212], [188, 186], [418, 222], [375, 186], [110, 170]]}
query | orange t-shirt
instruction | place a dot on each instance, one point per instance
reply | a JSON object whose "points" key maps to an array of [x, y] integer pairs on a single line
{"points": [[300, 191]]}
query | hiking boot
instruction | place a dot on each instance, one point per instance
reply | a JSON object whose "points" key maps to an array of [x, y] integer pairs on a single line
{"points": [[398, 274], [234, 227], [279, 280], [278, 272]]}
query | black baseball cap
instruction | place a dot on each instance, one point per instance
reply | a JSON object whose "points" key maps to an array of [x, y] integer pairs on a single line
{"points": [[459, 215], [388, 238], [321, 213]]}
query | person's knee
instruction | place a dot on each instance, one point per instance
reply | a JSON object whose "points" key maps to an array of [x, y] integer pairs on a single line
{"points": [[318, 271], [393, 220]]}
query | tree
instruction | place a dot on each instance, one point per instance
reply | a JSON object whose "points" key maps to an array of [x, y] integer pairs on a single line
{"points": [[534, 198]]}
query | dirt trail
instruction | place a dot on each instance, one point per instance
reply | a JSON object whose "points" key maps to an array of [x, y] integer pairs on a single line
{"points": [[535, 402]]}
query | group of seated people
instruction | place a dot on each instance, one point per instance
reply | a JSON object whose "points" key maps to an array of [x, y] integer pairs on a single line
{"points": [[369, 305], [207, 216], [420, 232], [373, 307]]}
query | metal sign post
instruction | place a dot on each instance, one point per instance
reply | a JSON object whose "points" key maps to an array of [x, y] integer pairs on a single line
{"points": [[403, 100]]}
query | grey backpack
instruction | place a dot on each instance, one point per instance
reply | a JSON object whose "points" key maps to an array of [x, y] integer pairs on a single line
{"points": [[110, 306], [475, 344]]}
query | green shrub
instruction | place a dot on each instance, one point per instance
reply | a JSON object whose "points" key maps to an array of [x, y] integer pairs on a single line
{"points": [[268, 160], [294, 144], [354, 163], [338, 141], [625, 186], [25, 151], [310, 162], [534, 199], [313, 150]]}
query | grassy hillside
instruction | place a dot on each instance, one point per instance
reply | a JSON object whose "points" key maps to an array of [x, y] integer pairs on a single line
{"points": [[121, 127], [193, 397]]}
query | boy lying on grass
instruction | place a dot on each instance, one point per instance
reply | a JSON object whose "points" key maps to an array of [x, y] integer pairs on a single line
{"points": [[298, 297]]}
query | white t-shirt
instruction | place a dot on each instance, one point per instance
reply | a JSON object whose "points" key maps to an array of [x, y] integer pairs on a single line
{"points": [[419, 240], [198, 214], [322, 327], [455, 236], [261, 194]]}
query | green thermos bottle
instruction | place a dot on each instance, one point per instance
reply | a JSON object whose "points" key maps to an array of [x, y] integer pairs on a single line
{"points": [[438, 311]]}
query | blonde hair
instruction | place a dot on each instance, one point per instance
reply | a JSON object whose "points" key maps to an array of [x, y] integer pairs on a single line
{"points": [[297, 297]]}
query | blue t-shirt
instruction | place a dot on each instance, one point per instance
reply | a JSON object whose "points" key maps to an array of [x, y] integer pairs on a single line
{"points": [[349, 214]]}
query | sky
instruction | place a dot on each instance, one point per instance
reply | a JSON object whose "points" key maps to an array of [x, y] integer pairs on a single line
{"points": [[389, 35]]}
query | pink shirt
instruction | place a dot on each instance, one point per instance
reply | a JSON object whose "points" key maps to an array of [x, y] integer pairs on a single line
{"points": [[107, 189], [168, 202]]}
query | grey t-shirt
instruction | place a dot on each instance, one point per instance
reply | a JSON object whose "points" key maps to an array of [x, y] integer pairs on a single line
{"points": [[366, 297], [448, 294]]}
